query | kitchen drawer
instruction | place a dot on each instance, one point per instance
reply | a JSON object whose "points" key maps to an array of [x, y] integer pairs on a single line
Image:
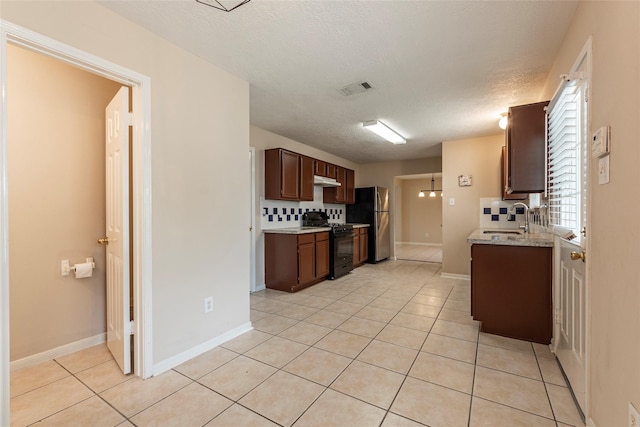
{"points": [[324, 235], [306, 238]]}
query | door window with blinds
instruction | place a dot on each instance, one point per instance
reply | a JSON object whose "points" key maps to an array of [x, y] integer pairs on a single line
{"points": [[567, 159]]}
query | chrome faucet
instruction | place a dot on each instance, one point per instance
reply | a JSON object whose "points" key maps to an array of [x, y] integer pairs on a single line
{"points": [[525, 227]]}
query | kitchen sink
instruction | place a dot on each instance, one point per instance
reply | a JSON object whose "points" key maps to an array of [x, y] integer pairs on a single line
{"points": [[500, 232]]}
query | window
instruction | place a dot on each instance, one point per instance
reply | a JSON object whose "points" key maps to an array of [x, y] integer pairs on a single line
{"points": [[567, 160]]}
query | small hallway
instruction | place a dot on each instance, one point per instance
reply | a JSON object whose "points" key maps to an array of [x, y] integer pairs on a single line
{"points": [[391, 344]]}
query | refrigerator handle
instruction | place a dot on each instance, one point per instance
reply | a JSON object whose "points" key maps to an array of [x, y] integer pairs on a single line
{"points": [[378, 210]]}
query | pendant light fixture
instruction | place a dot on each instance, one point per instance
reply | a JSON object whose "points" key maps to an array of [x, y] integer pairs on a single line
{"points": [[432, 193], [224, 5]]}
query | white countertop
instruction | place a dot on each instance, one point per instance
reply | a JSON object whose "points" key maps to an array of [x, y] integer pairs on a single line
{"points": [[305, 230], [522, 239], [297, 230]]}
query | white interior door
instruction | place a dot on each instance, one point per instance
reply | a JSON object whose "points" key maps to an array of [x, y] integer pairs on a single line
{"points": [[117, 227], [571, 322]]}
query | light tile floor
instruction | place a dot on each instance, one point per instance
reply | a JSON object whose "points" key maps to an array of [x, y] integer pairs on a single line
{"points": [[417, 252], [390, 344]]}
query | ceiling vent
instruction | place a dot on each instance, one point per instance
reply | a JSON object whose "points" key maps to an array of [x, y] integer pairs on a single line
{"points": [[354, 88]]}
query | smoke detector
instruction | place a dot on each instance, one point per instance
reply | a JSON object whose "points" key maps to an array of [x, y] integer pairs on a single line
{"points": [[354, 88]]}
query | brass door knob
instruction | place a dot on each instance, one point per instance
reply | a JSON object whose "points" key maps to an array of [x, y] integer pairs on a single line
{"points": [[579, 255], [103, 240]]}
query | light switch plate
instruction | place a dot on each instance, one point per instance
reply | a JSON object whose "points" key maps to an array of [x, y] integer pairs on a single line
{"points": [[452, 201], [603, 170]]}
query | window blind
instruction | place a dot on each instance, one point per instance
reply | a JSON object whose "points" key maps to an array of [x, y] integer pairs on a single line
{"points": [[566, 167]]}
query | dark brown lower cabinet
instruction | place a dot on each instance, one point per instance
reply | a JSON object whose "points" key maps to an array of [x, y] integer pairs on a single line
{"points": [[295, 261], [322, 255], [360, 246], [511, 291], [364, 244]]}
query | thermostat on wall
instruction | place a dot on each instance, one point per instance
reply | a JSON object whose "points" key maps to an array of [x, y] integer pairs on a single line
{"points": [[600, 142]]}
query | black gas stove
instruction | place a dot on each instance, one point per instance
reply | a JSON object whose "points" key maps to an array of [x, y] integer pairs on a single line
{"points": [[340, 242]]}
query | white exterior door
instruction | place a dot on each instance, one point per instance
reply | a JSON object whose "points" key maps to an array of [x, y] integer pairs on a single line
{"points": [[571, 323], [117, 225]]}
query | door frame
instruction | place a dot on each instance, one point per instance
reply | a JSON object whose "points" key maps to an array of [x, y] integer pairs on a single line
{"points": [[252, 219], [141, 186]]}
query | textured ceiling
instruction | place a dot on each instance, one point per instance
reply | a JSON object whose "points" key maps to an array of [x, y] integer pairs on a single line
{"points": [[441, 70]]}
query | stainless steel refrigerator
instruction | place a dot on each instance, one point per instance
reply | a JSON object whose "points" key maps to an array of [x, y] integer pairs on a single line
{"points": [[372, 207]]}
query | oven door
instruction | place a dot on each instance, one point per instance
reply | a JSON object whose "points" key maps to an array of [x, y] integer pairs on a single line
{"points": [[342, 255]]}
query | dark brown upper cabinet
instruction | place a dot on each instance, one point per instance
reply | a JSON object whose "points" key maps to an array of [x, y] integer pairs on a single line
{"points": [[345, 193], [526, 152], [332, 171], [288, 175], [321, 168], [503, 180], [307, 166], [350, 189]]}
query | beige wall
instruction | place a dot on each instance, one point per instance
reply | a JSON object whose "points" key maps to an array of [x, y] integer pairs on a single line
{"points": [[56, 200], [480, 158], [263, 140], [199, 141], [384, 175], [421, 216], [614, 242]]}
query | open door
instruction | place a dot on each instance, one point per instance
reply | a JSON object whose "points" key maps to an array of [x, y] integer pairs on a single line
{"points": [[119, 328], [571, 319]]}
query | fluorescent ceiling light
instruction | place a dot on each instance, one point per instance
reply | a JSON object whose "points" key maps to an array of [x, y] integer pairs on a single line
{"points": [[384, 131]]}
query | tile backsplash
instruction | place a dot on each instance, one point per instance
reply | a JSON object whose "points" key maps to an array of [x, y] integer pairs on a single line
{"points": [[494, 213], [283, 214]]}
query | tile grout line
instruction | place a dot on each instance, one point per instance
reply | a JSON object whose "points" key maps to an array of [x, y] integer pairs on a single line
{"points": [[355, 358], [473, 378]]}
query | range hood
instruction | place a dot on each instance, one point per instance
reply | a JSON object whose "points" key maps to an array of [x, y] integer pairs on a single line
{"points": [[323, 181]]}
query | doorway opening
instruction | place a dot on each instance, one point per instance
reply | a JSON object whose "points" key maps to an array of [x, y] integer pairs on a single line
{"points": [[140, 193], [56, 173], [418, 230]]}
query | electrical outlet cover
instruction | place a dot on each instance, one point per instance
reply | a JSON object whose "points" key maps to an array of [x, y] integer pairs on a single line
{"points": [[208, 305]]}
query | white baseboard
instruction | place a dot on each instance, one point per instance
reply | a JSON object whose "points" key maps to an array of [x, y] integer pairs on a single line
{"points": [[420, 243], [63, 350], [455, 276], [260, 287], [178, 359]]}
